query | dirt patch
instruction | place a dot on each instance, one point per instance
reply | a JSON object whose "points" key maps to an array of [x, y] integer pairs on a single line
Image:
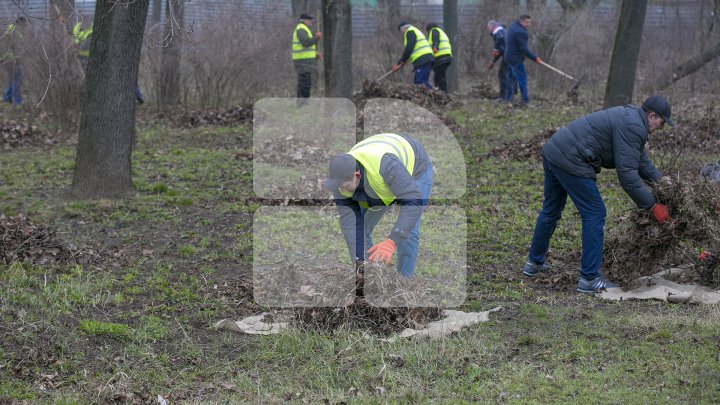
{"points": [[364, 317], [522, 149], [643, 247], [15, 134], [292, 151], [233, 116]]}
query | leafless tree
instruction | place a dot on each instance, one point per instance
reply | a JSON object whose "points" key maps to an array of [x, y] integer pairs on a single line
{"points": [[623, 65], [107, 121], [169, 91], [337, 26], [450, 19]]}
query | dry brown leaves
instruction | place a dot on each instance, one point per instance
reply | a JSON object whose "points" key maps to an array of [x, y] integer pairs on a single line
{"points": [[238, 115], [522, 149], [14, 134], [417, 94], [21, 240], [643, 247], [292, 151]]}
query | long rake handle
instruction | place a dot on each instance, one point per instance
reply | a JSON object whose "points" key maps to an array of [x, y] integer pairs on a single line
{"points": [[384, 76], [556, 70]]}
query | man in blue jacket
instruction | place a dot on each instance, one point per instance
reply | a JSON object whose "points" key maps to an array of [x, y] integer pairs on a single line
{"points": [[611, 138], [379, 171], [497, 31], [516, 50]]}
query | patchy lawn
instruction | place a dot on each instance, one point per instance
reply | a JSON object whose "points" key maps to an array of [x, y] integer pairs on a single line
{"points": [[137, 322]]}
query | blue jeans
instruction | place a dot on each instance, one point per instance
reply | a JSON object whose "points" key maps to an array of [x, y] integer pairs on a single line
{"points": [[518, 77], [13, 91], [407, 251], [585, 195], [422, 75]]}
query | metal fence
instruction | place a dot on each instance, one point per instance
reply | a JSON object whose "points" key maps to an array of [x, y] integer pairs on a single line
{"points": [[660, 13]]}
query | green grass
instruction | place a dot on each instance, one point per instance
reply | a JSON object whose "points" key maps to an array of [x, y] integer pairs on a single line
{"points": [[139, 324]]}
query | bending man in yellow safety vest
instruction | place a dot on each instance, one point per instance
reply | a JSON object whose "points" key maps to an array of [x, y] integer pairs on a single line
{"points": [[442, 50], [418, 52], [381, 170], [304, 54]]}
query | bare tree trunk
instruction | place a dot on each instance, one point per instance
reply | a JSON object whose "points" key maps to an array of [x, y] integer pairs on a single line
{"points": [[171, 55], [387, 33], [107, 121], [623, 65], [450, 23], [337, 23], [156, 11]]}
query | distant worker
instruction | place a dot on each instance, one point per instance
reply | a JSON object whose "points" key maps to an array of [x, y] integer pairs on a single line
{"points": [[498, 31], [442, 50], [305, 54], [14, 35], [418, 52], [615, 139], [516, 50], [81, 40], [379, 171]]}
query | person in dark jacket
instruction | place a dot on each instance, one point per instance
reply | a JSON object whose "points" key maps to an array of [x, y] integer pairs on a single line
{"points": [[574, 155], [418, 52], [442, 50], [379, 171], [304, 55], [516, 50], [498, 31], [11, 56]]}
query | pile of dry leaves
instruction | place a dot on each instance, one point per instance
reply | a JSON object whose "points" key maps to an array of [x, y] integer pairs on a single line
{"points": [[21, 240], [522, 149], [15, 134], [643, 247], [414, 93], [238, 115], [292, 151]]}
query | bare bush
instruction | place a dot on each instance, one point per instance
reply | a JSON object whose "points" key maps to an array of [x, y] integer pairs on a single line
{"points": [[228, 62]]}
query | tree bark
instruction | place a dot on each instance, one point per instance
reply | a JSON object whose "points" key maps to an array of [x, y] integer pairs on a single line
{"points": [[623, 65], [689, 67], [337, 44], [450, 23], [171, 55], [107, 120]]}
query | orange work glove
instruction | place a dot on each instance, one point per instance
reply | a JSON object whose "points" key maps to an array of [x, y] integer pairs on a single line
{"points": [[661, 213], [490, 65], [495, 53], [435, 50], [318, 35], [705, 256], [538, 60], [383, 251], [397, 66]]}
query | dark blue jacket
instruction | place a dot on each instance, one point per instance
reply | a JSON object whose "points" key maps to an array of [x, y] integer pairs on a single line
{"points": [[516, 45], [614, 139], [499, 42]]}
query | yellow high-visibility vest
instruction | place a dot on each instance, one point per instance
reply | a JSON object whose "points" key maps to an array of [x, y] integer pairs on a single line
{"points": [[371, 151], [298, 50], [79, 37], [444, 47], [422, 47]]}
